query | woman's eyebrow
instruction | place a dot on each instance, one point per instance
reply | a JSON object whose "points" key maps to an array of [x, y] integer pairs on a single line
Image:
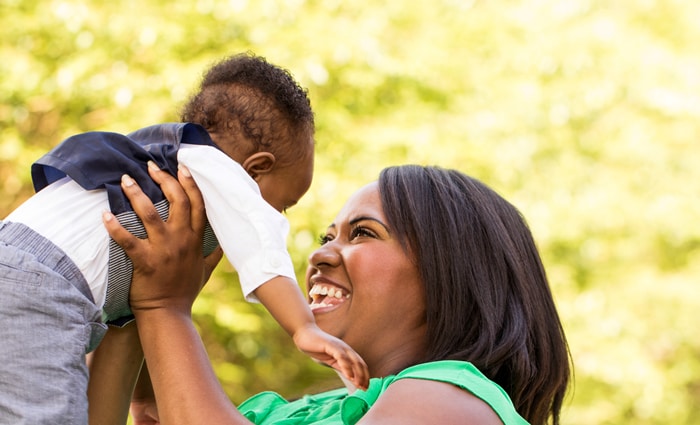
{"points": [[356, 220], [365, 218]]}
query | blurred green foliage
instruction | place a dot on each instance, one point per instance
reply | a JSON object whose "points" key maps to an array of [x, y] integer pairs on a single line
{"points": [[584, 113]]}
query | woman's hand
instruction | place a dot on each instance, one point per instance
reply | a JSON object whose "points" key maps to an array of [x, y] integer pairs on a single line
{"points": [[169, 270]]}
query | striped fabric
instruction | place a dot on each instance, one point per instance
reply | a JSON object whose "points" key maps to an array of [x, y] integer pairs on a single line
{"points": [[97, 160], [120, 269]]}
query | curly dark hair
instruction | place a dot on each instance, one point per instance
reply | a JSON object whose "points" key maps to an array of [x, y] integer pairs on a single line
{"points": [[244, 98]]}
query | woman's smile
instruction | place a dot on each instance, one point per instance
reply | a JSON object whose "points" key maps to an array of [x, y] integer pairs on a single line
{"points": [[324, 296]]}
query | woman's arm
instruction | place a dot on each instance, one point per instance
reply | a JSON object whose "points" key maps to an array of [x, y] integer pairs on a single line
{"points": [[169, 272]]}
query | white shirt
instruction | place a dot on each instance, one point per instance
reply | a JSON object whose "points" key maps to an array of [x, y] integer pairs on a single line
{"points": [[251, 232]]}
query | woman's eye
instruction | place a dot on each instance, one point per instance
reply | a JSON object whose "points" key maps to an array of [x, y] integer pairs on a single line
{"points": [[360, 231], [324, 239]]}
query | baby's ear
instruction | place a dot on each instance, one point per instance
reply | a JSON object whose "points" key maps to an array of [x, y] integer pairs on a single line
{"points": [[259, 163]]}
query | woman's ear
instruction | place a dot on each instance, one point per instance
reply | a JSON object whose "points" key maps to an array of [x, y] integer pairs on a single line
{"points": [[259, 163]]}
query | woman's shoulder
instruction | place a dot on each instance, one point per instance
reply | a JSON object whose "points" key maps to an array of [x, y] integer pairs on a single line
{"points": [[448, 389], [442, 392], [420, 401]]}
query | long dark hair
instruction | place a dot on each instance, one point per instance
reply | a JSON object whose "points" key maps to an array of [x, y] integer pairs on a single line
{"points": [[487, 297]]}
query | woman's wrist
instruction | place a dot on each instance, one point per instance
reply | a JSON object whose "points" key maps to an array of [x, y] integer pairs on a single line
{"points": [[182, 377], [155, 315]]}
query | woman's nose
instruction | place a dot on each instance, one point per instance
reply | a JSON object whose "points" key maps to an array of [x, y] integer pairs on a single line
{"points": [[325, 255]]}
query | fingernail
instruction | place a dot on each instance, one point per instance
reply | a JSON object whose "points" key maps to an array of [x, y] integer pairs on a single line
{"points": [[107, 216], [127, 181], [153, 166], [184, 170]]}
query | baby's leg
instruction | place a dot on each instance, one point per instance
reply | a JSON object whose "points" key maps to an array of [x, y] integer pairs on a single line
{"points": [[48, 322]]}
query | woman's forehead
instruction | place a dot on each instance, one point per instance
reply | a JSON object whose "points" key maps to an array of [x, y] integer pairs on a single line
{"points": [[364, 201]]}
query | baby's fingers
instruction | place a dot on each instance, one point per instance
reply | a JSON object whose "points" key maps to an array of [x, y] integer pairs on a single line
{"points": [[351, 365], [360, 373]]}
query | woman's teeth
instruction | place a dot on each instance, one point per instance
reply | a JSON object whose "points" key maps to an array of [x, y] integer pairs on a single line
{"points": [[331, 292]]}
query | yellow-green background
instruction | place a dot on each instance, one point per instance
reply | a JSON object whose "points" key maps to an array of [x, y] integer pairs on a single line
{"points": [[585, 114]]}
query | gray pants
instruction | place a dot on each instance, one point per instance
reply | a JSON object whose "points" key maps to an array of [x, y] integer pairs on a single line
{"points": [[48, 322]]}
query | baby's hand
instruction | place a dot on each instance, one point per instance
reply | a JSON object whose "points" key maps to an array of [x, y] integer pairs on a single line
{"points": [[333, 352]]}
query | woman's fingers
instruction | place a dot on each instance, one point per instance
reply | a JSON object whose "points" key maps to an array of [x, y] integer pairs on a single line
{"points": [[179, 214], [168, 265], [186, 203], [142, 206], [117, 232]]}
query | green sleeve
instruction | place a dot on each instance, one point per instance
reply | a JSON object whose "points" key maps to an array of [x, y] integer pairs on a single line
{"points": [[336, 407], [466, 376]]}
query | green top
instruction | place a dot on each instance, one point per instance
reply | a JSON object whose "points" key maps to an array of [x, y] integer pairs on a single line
{"points": [[338, 407]]}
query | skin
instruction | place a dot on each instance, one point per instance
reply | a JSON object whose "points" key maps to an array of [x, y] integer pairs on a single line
{"points": [[117, 378], [382, 319], [361, 255], [282, 187]]}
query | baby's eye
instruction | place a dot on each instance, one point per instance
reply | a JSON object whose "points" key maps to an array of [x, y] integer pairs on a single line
{"points": [[324, 239]]}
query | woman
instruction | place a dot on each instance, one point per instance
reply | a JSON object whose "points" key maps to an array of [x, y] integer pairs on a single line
{"points": [[442, 292]]}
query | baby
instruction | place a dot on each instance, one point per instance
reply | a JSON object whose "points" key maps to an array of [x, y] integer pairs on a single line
{"points": [[247, 138]]}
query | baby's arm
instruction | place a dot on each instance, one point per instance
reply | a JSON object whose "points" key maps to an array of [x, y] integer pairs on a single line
{"points": [[250, 240], [284, 300], [143, 409], [114, 367]]}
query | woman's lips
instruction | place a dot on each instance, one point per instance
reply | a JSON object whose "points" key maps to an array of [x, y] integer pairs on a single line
{"points": [[322, 307]]}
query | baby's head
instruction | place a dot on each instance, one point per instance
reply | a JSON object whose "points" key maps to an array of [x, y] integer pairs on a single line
{"points": [[261, 117]]}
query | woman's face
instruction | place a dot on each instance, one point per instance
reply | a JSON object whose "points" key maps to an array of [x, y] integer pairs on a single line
{"points": [[365, 289]]}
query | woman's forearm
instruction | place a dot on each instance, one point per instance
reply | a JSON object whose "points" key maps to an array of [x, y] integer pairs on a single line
{"points": [[169, 272], [188, 391]]}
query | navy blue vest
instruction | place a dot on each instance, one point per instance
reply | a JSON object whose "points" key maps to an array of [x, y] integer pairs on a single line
{"points": [[97, 160]]}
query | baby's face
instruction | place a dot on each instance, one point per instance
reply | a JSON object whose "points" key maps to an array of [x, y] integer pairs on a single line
{"points": [[283, 187]]}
